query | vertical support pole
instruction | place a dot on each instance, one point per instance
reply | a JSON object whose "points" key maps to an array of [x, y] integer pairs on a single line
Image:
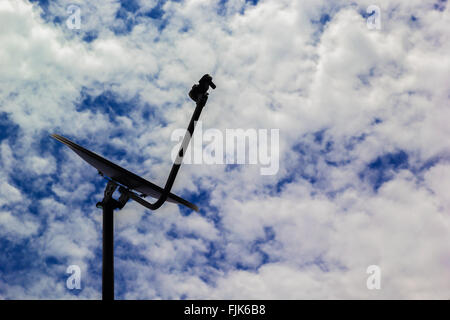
{"points": [[108, 251]]}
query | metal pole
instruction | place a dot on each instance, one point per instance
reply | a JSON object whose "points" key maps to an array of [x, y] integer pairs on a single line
{"points": [[108, 251]]}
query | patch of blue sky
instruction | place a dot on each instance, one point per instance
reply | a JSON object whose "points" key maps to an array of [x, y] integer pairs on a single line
{"points": [[90, 36], [363, 12], [201, 198], [287, 179], [8, 129], [429, 163], [157, 12], [352, 142], [130, 5], [440, 5], [222, 6], [319, 147], [185, 28], [122, 279], [32, 186], [128, 22], [365, 77], [189, 264], [108, 102], [269, 235], [383, 168], [215, 257], [322, 19], [44, 4], [320, 24], [59, 152], [112, 104], [20, 261], [49, 17], [232, 167], [115, 153], [174, 233], [216, 254], [376, 121], [313, 148], [321, 264], [129, 12], [414, 22], [264, 258], [319, 135], [94, 264], [17, 255], [293, 175], [149, 113], [124, 249]]}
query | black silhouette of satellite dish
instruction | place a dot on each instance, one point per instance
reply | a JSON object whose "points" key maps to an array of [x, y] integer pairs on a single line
{"points": [[128, 183], [123, 177]]}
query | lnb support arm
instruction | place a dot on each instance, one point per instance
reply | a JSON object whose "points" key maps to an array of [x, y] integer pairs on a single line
{"points": [[199, 94]]}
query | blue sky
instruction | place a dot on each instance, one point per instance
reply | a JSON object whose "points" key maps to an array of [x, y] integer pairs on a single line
{"points": [[364, 155]]}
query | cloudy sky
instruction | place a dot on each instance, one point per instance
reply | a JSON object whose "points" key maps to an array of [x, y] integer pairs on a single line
{"points": [[364, 147]]}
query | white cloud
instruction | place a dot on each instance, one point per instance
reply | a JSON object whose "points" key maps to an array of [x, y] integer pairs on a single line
{"points": [[12, 226], [438, 179], [9, 193], [41, 165]]}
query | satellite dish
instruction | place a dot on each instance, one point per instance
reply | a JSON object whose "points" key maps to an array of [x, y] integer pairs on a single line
{"points": [[128, 183]]}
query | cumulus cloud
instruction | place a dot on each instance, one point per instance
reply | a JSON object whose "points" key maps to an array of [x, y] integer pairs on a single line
{"points": [[364, 150]]}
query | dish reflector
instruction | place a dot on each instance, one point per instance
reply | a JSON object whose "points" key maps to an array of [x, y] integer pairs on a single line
{"points": [[121, 175]]}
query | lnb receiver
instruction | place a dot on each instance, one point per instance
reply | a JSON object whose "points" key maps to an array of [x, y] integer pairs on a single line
{"points": [[199, 90]]}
